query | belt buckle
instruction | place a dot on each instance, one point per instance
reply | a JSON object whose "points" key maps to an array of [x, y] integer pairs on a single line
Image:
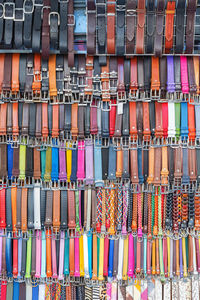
{"points": [[29, 5], [88, 98], [15, 97], [108, 104], [36, 96], [3, 11], [133, 95], [155, 95], [3, 139], [170, 96], [7, 6], [19, 18], [73, 20], [173, 142], [6, 95], [186, 97], [147, 96], [28, 96], [121, 96], [141, 95], [45, 96], [54, 14], [196, 99]]}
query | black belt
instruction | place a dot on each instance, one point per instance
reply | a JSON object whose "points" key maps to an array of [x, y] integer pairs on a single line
{"points": [[180, 16], [22, 74], [9, 13], [191, 11], [101, 30], [120, 34], [54, 22], [63, 26], [37, 23], [60, 75], [28, 16], [45, 80], [1, 20], [150, 26], [19, 19]]}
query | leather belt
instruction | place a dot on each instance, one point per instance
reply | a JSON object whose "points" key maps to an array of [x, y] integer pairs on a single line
{"points": [[9, 12], [150, 26], [46, 29], [169, 26], [180, 16], [54, 22], [37, 24], [19, 19], [191, 10], [70, 33], [28, 16], [91, 26], [111, 6], [101, 31], [130, 26], [63, 25], [141, 11], [120, 29], [159, 28]]}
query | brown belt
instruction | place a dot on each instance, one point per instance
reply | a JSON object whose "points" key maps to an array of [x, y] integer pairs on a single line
{"points": [[46, 29], [111, 26], [141, 11], [169, 25]]}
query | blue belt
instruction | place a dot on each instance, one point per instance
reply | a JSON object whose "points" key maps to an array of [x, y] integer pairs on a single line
{"points": [[140, 170], [55, 163], [184, 121], [10, 160]]}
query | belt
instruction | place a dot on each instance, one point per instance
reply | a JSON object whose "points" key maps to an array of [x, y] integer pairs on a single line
{"points": [[71, 25], [140, 27], [159, 28], [19, 19], [111, 7], [61, 20], [54, 22], [169, 26], [130, 26], [37, 24], [9, 12], [191, 10], [1, 20], [120, 29], [91, 26], [150, 26], [101, 31], [180, 13], [46, 30], [28, 16]]}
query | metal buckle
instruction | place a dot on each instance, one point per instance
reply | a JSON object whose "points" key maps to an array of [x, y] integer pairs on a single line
{"points": [[28, 5], [2, 9], [121, 96], [73, 17], [54, 14], [133, 95], [155, 95], [37, 76], [21, 17], [11, 9]]}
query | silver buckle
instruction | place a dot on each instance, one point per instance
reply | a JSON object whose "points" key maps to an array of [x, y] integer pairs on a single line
{"points": [[73, 18], [3, 10], [25, 9], [155, 95], [21, 18], [54, 13], [6, 14]]}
